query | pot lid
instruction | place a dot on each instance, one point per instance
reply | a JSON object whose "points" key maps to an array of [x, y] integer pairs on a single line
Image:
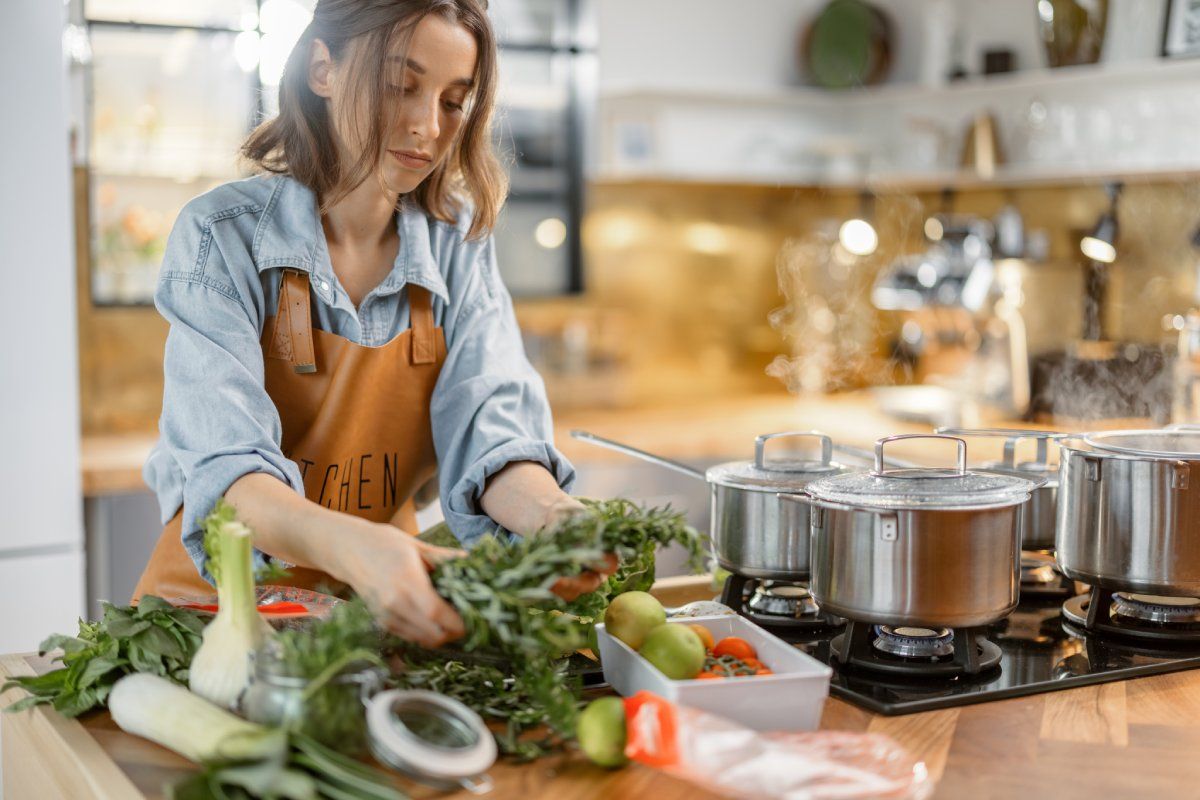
{"points": [[1040, 465], [1178, 443], [775, 473], [924, 487]]}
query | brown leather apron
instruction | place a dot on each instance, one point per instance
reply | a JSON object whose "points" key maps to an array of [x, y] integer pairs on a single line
{"points": [[355, 419]]}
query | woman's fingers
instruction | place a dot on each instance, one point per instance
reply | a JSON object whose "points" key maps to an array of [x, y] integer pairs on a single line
{"points": [[433, 555], [449, 621], [425, 631]]}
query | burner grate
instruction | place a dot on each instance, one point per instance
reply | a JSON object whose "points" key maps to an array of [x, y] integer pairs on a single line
{"points": [[779, 606], [909, 642], [1146, 617], [956, 653], [1154, 608], [1040, 578]]}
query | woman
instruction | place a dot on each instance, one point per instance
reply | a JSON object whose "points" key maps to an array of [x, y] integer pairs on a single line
{"points": [[339, 329]]}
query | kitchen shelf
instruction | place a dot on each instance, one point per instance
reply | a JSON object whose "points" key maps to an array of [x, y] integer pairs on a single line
{"points": [[808, 137], [801, 97], [1005, 177]]}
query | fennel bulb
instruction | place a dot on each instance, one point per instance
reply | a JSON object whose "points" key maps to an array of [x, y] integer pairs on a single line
{"points": [[166, 713], [221, 669]]}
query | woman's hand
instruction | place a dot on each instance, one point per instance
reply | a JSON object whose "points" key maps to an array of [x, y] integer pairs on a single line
{"points": [[390, 570]]}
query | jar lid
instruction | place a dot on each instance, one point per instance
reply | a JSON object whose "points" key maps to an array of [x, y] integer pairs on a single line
{"points": [[774, 474], [1176, 444], [432, 738], [930, 488]]}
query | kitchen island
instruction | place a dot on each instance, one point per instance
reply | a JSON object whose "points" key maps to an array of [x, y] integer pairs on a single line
{"points": [[1135, 738]]}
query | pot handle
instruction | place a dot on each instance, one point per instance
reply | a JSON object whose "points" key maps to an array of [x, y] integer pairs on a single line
{"points": [[1013, 436], [960, 468], [599, 441], [760, 446]]}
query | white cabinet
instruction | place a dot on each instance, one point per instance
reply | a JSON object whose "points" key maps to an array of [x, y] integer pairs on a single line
{"points": [[40, 595], [41, 586]]}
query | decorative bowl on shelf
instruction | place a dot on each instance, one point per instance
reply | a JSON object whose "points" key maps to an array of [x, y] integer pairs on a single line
{"points": [[848, 44]]}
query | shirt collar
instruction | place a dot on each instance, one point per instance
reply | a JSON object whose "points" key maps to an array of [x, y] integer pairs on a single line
{"points": [[290, 235]]}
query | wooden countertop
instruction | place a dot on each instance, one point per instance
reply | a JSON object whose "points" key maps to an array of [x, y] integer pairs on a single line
{"points": [[703, 432], [1136, 738], [112, 464]]}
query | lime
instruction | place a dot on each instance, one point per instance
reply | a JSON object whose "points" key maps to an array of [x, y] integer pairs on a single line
{"points": [[632, 615], [601, 731], [676, 650]]}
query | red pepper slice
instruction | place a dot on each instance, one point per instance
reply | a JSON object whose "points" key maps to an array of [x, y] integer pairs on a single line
{"points": [[280, 607]]}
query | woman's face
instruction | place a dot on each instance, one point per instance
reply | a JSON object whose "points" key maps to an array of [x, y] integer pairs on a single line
{"points": [[425, 95]]}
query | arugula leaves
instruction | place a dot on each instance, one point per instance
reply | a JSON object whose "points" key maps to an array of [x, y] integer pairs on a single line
{"points": [[153, 636]]}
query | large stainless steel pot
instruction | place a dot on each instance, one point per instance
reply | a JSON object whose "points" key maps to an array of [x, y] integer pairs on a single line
{"points": [[754, 533], [1038, 516], [1129, 511], [926, 547]]}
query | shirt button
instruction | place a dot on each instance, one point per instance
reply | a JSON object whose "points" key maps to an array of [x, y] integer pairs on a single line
{"points": [[325, 286]]}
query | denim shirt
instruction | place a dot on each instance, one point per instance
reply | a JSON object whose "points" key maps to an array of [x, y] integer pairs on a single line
{"points": [[220, 281]]}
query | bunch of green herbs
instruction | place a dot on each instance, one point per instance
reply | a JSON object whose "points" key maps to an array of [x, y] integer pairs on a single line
{"points": [[495, 695], [503, 590], [331, 655], [152, 636]]}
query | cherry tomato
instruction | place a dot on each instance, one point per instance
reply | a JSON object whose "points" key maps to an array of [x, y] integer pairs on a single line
{"points": [[764, 671], [708, 676], [752, 663], [736, 647], [705, 635]]}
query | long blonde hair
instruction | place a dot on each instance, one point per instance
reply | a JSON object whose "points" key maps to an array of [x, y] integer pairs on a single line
{"points": [[299, 141]]}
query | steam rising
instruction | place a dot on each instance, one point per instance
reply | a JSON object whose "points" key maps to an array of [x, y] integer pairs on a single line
{"points": [[837, 340]]}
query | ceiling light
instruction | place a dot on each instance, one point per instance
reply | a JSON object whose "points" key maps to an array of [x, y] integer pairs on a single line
{"points": [[550, 233], [934, 230], [858, 237], [1101, 243]]}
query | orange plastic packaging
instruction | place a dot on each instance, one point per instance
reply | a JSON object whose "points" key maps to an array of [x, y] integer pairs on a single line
{"points": [[733, 760]]}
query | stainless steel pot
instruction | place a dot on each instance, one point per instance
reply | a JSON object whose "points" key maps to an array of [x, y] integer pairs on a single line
{"points": [[1129, 511], [754, 533], [926, 547], [1039, 515]]}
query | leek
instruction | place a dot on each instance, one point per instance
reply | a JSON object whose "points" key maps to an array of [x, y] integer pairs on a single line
{"points": [[220, 671]]}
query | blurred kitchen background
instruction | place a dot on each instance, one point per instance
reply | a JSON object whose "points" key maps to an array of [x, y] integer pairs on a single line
{"points": [[864, 217]]}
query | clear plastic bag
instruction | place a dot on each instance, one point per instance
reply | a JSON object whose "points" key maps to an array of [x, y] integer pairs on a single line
{"points": [[733, 760]]}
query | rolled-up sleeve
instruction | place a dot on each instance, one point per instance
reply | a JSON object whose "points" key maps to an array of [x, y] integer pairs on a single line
{"points": [[489, 406], [218, 423]]}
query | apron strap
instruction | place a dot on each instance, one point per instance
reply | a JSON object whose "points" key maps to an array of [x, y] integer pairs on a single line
{"points": [[292, 338], [420, 308]]}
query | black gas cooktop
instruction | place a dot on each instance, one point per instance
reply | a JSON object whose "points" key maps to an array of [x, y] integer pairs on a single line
{"points": [[1040, 651]]}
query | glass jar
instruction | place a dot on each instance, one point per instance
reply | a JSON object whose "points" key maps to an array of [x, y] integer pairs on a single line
{"points": [[331, 710]]}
